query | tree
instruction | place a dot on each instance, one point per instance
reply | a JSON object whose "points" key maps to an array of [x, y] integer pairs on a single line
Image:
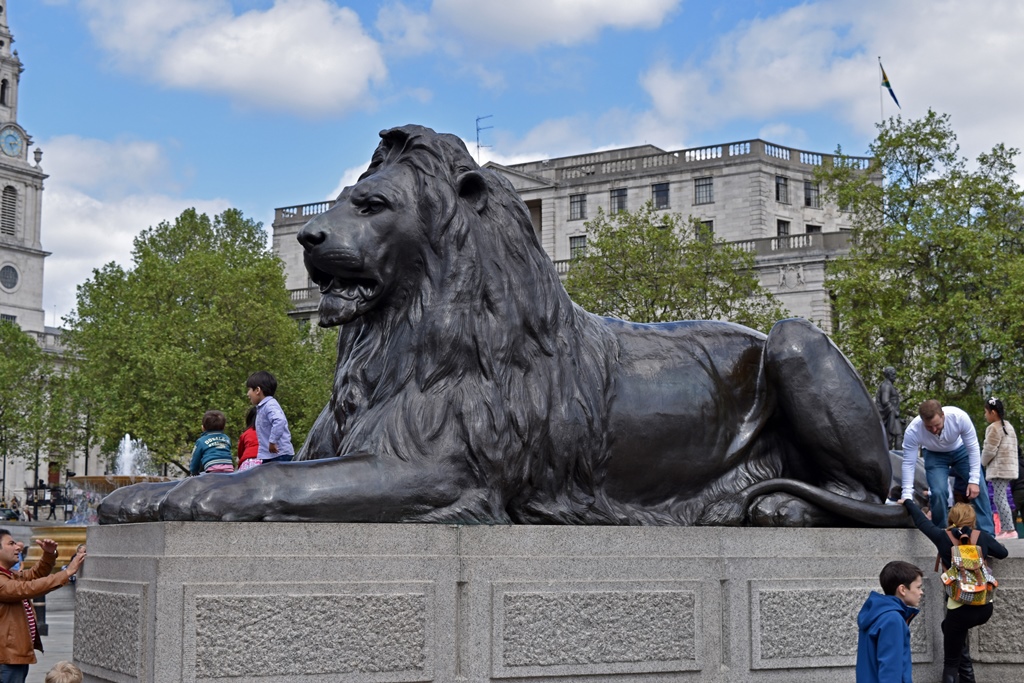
{"points": [[20, 363], [648, 266], [62, 433], [933, 282], [35, 436], [203, 305]]}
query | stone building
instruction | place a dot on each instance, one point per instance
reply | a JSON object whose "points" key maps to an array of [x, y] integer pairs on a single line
{"points": [[21, 251], [21, 196], [755, 194], [758, 195]]}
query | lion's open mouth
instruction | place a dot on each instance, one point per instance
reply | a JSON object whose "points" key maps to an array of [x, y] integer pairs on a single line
{"points": [[349, 288], [343, 299]]}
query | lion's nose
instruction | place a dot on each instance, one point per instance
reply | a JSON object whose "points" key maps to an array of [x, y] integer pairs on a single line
{"points": [[311, 235]]}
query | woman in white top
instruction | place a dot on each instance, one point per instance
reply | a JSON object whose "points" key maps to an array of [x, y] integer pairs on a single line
{"points": [[999, 458]]}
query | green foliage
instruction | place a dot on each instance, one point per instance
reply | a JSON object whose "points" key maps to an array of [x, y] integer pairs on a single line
{"points": [[652, 266], [934, 282], [305, 386], [20, 366], [37, 411], [203, 306]]}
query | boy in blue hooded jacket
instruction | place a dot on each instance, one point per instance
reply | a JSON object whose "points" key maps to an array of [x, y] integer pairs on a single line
{"points": [[883, 644]]}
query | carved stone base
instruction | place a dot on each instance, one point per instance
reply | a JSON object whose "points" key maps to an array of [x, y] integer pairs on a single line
{"points": [[303, 603]]}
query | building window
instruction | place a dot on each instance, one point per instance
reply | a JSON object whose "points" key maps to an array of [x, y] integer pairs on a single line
{"points": [[577, 247], [782, 229], [659, 195], [618, 201], [8, 277], [782, 189], [813, 229], [577, 207], [706, 231], [703, 191], [3, 92], [811, 196], [8, 210], [8, 318]]}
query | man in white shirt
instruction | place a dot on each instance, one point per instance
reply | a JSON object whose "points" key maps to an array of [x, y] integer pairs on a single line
{"points": [[946, 438]]}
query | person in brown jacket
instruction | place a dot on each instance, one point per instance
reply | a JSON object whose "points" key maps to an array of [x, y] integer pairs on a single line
{"points": [[19, 633]]}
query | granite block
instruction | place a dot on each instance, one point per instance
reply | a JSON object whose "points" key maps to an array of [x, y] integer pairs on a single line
{"points": [[110, 628], [381, 603], [558, 628], [813, 623], [1002, 638]]}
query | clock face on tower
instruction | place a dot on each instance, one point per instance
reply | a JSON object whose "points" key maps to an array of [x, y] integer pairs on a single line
{"points": [[11, 141]]}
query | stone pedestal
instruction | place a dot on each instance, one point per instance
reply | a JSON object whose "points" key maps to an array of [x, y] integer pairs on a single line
{"points": [[367, 603]]}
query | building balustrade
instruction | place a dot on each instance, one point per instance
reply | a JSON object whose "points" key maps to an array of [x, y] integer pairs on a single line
{"points": [[304, 294], [769, 246], [304, 212], [834, 242], [594, 165], [703, 153]]}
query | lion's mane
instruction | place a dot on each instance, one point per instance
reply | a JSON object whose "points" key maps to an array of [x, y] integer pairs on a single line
{"points": [[487, 356]]}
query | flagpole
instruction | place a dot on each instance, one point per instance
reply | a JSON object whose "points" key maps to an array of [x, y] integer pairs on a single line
{"points": [[881, 99]]}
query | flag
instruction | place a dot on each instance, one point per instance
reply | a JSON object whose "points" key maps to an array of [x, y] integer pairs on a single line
{"points": [[885, 84]]}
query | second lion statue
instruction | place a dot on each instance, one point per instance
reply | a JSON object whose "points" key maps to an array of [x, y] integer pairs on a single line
{"points": [[470, 388]]}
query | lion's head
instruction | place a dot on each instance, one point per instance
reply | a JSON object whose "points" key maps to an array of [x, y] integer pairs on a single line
{"points": [[392, 229], [456, 333]]}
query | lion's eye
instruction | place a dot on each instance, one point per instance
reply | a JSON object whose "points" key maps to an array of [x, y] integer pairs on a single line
{"points": [[372, 206]]}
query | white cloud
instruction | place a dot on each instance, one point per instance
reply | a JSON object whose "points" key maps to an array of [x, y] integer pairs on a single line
{"points": [[529, 23], [404, 30], [100, 195], [306, 56], [822, 59], [579, 134], [348, 177], [784, 134], [799, 60], [113, 168]]}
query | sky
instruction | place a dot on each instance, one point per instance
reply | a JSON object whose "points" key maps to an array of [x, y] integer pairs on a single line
{"points": [[143, 108]]}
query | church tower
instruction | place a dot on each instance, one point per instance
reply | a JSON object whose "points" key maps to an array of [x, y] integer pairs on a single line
{"points": [[21, 196]]}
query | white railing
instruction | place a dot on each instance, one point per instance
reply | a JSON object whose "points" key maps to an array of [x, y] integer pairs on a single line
{"points": [[703, 153]]}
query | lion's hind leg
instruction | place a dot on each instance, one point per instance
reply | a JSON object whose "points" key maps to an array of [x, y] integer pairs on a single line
{"points": [[826, 413]]}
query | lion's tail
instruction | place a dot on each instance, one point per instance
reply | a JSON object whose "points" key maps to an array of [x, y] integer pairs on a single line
{"points": [[732, 511]]}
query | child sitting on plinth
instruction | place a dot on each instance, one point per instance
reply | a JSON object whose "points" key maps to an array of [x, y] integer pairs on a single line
{"points": [[213, 448]]}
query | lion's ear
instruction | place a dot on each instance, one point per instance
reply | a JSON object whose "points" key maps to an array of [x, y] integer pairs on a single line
{"points": [[473, 189]]}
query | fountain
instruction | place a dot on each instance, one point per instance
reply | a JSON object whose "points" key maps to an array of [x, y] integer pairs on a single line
{"points": [[131, 466]]}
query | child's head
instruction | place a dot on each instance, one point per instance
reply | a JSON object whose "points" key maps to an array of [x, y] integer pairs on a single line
{"points": [[903, 580], [64, 672], [260, 384], [214, 421], [994, 405], [250, 418], [961, 515]]}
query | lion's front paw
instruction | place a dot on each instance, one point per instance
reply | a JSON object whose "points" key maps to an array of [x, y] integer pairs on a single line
{"points": [[183, 504], [728, 511], [135, 503]]}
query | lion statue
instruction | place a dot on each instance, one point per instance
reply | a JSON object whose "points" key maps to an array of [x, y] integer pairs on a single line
{"points": [[470, 388]]}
